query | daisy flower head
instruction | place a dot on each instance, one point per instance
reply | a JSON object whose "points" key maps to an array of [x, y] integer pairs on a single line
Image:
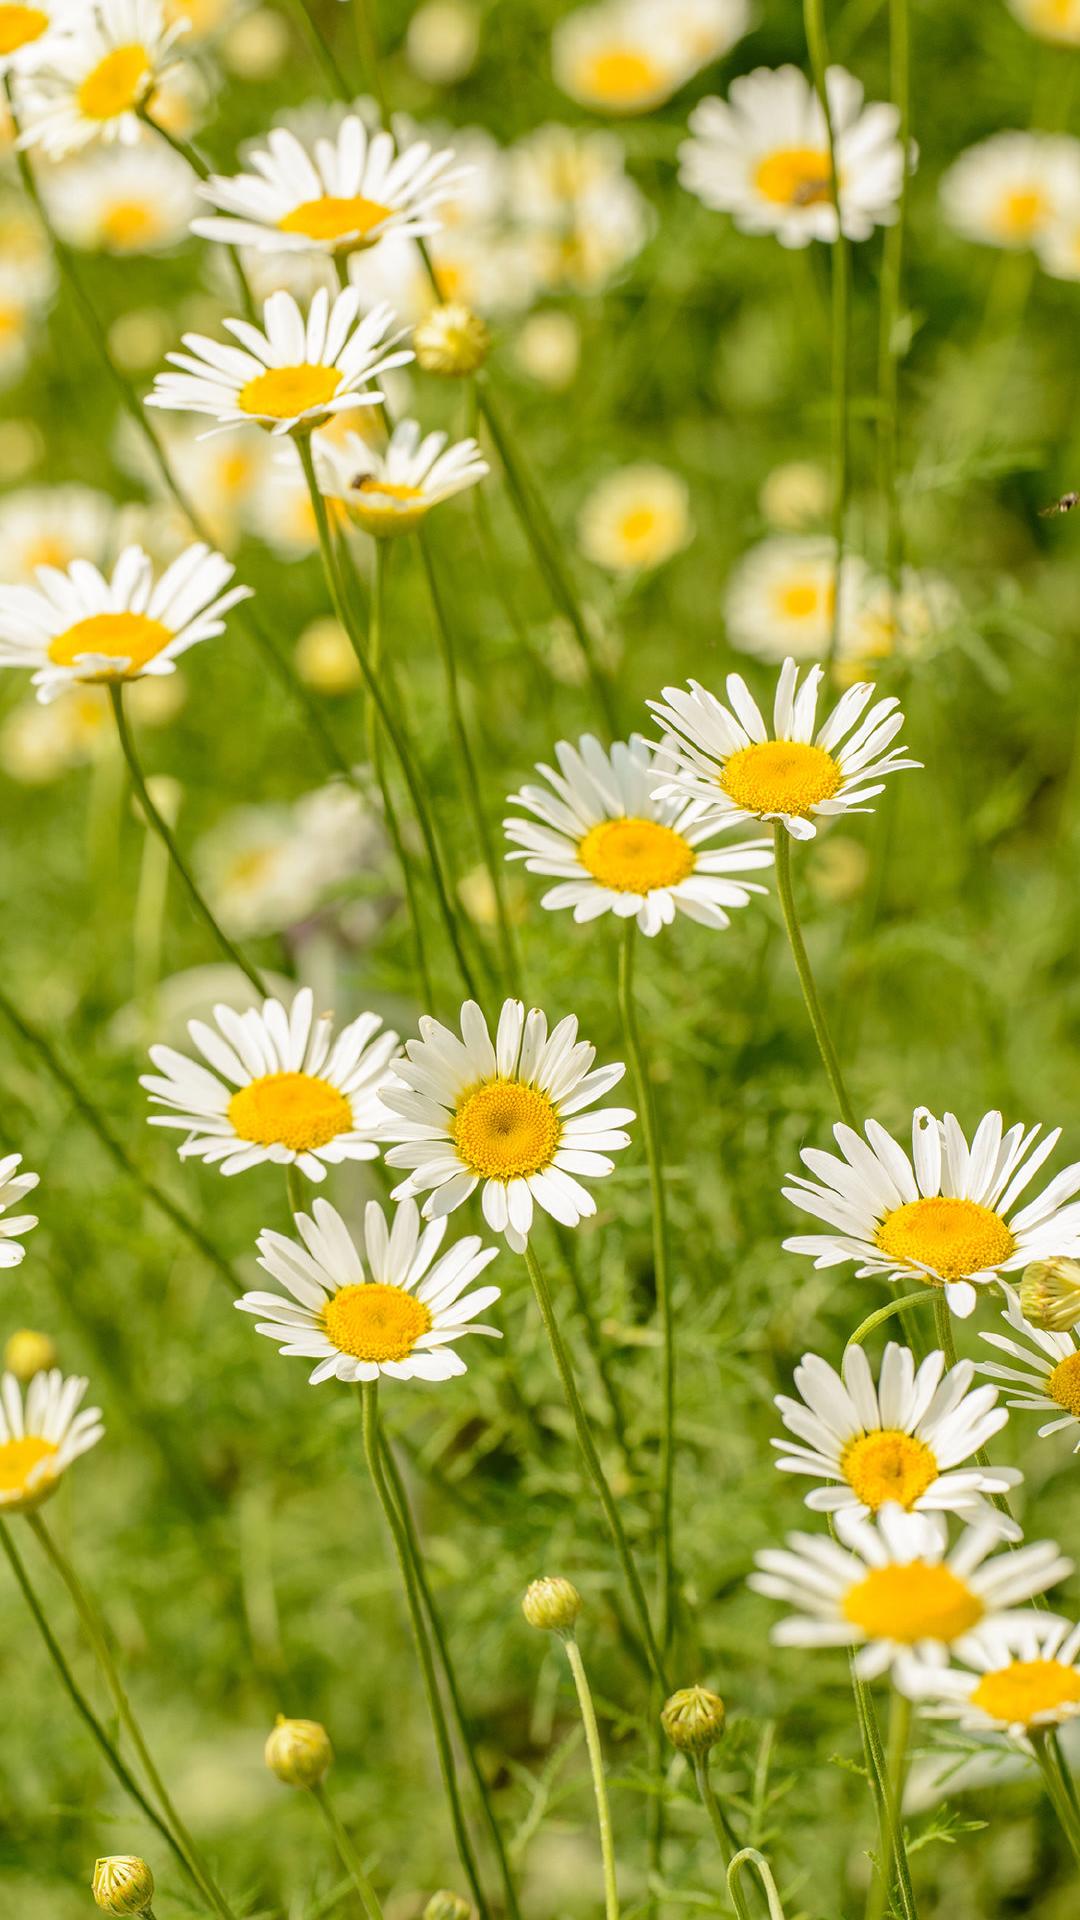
{"points": [[508, 1114], [81, 624], [398, 1310], [946, 1216], [781, 595], [14, 1186], [902, 1440], [1009, 190], [98, 72], [123, 200], [577, 214], [618, 57], [347, 193], [51, 527], [24, 31], [635, 519], [892, 1588], [726, 759], [41, 1436], [1057, 244], [292, 373], [762, 155], [1050, 19], [277, 1087], [1047, 1378], [614, 848], [1016, 1677], [389, 490]]}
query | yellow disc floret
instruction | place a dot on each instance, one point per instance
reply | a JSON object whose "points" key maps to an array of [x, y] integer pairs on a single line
{"points": [[888, 1465], [1026, 1689], [20, 25], [118, 84], [129, 639], [283, 393], [505, 1130], [780, 776], [295, 1110], [920, 1601], [620, 77], [634, 856], [375, 1322], [128, 225], [1064, 1384], [24, 1472], [795, 177], [953, 1238], [347, 219]]}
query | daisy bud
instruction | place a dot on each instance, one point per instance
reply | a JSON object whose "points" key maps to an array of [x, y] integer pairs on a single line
{"points": [[552, 1604], [27, 1353], [445, 1905], [1050, 1294], [693, 1719], [298, 1752], [451, 340], [122, 1884]]}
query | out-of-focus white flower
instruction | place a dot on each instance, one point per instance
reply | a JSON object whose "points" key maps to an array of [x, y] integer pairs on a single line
{"points": [[123, 199], [99, 69], [257, 44], [795, 496], [781, 595], [571, 196], [51, 527], [265, 869], [1011, 189], [1058, 242], [548, 349], [325, 659], [707, 29], [1050, 19], [20, 307], [25, 29], [40, 744], [25, 253], [635, 519], [619, 58], [881, 624], [442, 41]]}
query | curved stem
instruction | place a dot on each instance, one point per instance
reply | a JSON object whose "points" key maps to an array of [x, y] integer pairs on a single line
{"points": [[750, 1857], [380, 567], [814, 17], [350, 1858], [596, 1764], [874, 1320], [721, 1825], [829, 1057], [165, 834]]}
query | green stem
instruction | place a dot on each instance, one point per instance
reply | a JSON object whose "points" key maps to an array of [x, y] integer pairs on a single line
{"points": [[891, 1834], [594, 1338], [718, 1820], [750, 1857], [892, 268], [943, 1327], [378, 761], [900, 1712], [367, 43], [321, 48], [187, 151], [165, 834], [875, 1320], [595, 1470], [294, 1188], [596, 1764], [829, 1058], [814, 17], [1055, 1792], [350, 1858]]}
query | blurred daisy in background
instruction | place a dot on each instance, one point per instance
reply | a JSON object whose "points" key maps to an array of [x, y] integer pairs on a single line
{"points": [[795, 496], [1057, 244], [727, 758], [25, 250], [122, 199], [226, 475], [388, 491], [41, 1437], [620, 57], [24, 30], [1017, 1677], [1048, 1373], [635, 519], [442, 41], [508, 1115], [1050, 19], [21, 308], [99, 72], [780, 597], [907, 624], [201, 19], [946, 1215], [51, 527], [548, 349], [278, 1089], [763, 156], [40, 744], [14, 1187], [706, 29], [398, 1310], [1010, 190], [265, 869], [325, 659], [575, 206], [615, 849]]}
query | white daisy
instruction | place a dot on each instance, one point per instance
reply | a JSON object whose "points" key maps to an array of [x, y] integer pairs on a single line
{"points": [[278, 1088], [576, 214], [14, 1186], [1049, 1372], [1058, 242], [51, 527], [98, 71], [616, 849], [20, 317], [81, 625], [880, 623], [508, 1113], [399, 1315], [24, 30], [40, 1439], [291, 374], [389, 490], [780, 597], [726, 758], [635, 519], [946, 1215], [1017, 1676], [618, 58], [763, 156], [123, 200], [1050, 19], [895, 1591], [1008, 190], [707, 29], [902, 1441]]}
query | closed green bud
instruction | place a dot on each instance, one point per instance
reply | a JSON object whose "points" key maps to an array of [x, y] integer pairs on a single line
{"points": [[693, 1719], [445, 1905], [298, 1752], [451, 340], [122, 1884], [552, 1604], [1050, 1294]]}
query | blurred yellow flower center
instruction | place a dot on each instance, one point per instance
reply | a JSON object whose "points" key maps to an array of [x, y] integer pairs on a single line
{"points": [[235, 473], [1017, 1693], [795, 177], [504, 1130], [18, 1460], [294, 1110], [780, 776], [1023, 212], [129, 223], [335, 219], [803, 598], [637, 524], [634, 856], [47, 551], [917, 1602], [130, 639], [621, 75], [20, 25], [117, 84], [952, 1237], [1055, 13], [1064, 1384], [282, 393], [888, 1465], [11, 319], [375, 1322], [373, 489]]}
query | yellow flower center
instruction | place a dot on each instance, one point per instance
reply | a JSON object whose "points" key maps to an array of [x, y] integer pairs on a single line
{"points": [[130, 638], [803, 598], [637, 525], [118, 84], [918, 1602], [634, 856], [621, 76], [373, 488], [129, 223], [20, 25], [888, 1465], [11, 320], [48, 550], [504, 1130], [235, 472], [331, 218], [375, 1322], [1019, 1692], [795, 177], [18, 1460], [1064, 1384], [780, 776], [951, 1237], [283, 393], [1056, 14], [294, 1110], [1023, 212]]}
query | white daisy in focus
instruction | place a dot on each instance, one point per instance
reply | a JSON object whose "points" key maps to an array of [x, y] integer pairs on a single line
{"points": [[388, 491], [291, 374], [509, 1113], [1016, 1678], [903, 1440], [14, 1186], [398, 1313], [946, 1216], [1009, 190], [727, 758], [573, 207], [1050, 19], [83, 625], [763, 156], [1048, 1374], [614, 849], [618, 58], [99, 71], [24, 30], [893, 1589], [51, 527], [780, 597], [123, 200], [41, 1437], [635, 519], [278, 1088]]}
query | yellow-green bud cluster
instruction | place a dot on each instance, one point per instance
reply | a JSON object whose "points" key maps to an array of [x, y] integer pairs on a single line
{"points": [[1050, 1294], [445, 1905], [298, 1752], [451, 340], [552, 1604], [28, 1352], [693, 1719], [122, 1884]]}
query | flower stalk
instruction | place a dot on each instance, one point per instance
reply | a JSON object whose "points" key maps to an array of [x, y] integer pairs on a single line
{"points": [[596, 1767], [347, 1851], [814, 19], [376, 621]]}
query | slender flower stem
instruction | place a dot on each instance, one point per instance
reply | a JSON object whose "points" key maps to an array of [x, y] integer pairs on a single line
{"points": [[321, 48], [721, 1825], [380, 568], [97, 1635], [943, 1327], [294, 1188], [373, 1450], [367, 42], [393, 732], [890, 345], [896, 1772], [750, 1857], [891, 1834], [873, 1321], [1056, 1793], [350, 1858], [814, 17], [187, 151], [168, 839], [658, 1194], [829, 1058], [596, 1764], [595, 1469]]}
